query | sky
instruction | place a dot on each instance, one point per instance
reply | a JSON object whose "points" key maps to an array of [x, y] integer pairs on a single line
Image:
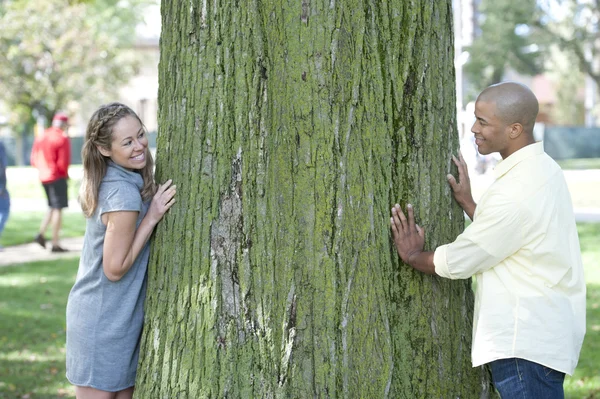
{"points": [[150, 29]]}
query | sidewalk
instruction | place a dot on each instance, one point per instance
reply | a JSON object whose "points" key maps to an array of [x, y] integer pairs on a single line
{"points": [[33, 252]]}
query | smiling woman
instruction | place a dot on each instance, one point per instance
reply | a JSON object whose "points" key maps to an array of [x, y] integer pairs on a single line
{"points": [[129, 144], [118, 184]]}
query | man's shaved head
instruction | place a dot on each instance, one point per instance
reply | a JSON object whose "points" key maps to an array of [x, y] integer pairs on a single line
{"points": [[515, 103]]}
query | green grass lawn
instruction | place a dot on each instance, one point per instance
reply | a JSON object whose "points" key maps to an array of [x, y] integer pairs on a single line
{"points": [[580, 164], [585, 382], [22, 182], [21, 227], [32, 328], [33, 298]]}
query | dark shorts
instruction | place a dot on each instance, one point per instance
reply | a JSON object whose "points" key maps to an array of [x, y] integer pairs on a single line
{"points": [[57, 194]]}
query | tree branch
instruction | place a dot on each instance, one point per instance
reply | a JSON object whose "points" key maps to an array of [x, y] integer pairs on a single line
{"points": [[572, 45]]}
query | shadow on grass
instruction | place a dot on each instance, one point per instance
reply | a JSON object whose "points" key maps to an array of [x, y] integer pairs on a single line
{"points": [[33, 298]]}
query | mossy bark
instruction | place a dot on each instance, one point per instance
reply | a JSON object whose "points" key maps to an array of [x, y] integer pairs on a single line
{"points": [[290, 129]]}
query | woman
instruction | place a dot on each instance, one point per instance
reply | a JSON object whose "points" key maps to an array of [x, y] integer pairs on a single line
{"points": [[105, 307]]}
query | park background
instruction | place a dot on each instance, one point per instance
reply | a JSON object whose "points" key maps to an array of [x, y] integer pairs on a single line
{"points": [[33, 294]]}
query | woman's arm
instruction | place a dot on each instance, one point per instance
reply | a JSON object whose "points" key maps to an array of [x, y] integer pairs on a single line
{"points": [[123, 242]]}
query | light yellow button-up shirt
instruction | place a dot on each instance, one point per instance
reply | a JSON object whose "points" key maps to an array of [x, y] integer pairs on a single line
{"points": [[523, 250]]}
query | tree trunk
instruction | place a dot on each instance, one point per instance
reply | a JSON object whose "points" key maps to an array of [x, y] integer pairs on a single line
{"points": [[290, 129]]}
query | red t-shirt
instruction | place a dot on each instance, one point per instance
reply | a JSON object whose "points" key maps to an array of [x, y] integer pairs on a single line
{"points": [[51, 155]]}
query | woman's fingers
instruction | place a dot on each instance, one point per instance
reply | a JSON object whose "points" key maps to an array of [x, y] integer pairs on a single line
{"points": [[170, 203], [163, 187]]}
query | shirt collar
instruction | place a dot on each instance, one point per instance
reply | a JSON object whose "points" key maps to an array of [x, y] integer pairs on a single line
{"points": [[526, 152]]}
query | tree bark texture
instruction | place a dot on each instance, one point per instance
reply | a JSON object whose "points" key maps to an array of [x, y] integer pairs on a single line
{"points": [[290, 129]]}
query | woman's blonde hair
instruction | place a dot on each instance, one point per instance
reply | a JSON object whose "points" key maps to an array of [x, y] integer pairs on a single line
{"points": [[99, 134]]}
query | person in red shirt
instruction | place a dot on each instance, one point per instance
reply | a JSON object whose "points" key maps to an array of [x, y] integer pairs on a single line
{"points": [[51, 155]]}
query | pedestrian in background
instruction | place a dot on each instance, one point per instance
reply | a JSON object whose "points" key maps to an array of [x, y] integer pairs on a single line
{"points": [[51, 155], [122, 204], [4, 197]]}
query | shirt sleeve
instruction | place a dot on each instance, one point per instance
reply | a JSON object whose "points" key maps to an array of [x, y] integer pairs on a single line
{"points": [[63, 157], [494, 235], [119, 196]]}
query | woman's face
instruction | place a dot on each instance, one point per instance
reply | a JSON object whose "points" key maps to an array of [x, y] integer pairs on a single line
{"points": [[129, 145]]}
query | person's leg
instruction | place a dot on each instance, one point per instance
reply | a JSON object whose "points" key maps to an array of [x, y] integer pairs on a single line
{"points": [[506, 378], [58, 199], [545, 382], [45, 222], [4, 212], [56, 217], [39, 238], [3, 218], [125, 394], [519, 378], [91, 393]]}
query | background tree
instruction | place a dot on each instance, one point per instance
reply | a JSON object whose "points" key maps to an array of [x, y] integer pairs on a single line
{"points": [[574, 24], [54, 52], [290, 129], [505, 40], [569, 107]]}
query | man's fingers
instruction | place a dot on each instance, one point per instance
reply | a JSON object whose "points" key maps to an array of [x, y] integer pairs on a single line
{"points": [[403, 221], [421, 231], [396, 221], [463, 170], [394, 229], [461, 166], [455, 160], [452, 182], [411, 218]]}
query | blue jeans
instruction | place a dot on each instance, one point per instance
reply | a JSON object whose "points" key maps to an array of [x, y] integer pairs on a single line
{"points": [[519, 378], [4, 209]]}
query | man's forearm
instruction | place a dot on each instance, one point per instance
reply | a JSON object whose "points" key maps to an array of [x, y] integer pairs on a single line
{"points": [[469, 208], [423, 262]]}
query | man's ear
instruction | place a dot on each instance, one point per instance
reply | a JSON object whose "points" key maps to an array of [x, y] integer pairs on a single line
{"points": [[516, 129], [104, 151]]}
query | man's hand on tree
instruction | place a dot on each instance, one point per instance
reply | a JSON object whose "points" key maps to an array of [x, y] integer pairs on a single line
{"points": [[462, 189], [409, 238]]}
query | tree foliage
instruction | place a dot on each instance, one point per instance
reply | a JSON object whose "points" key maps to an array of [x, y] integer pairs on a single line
{"points": [[55, 52], [520, 34], [504, 41], [574, 25]]}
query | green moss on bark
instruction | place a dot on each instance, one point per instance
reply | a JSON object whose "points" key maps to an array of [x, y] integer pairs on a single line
{"points": [[290, 129]]}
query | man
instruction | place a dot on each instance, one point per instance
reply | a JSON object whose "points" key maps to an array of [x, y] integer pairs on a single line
{"points": [[51, 155], [522, 248]]}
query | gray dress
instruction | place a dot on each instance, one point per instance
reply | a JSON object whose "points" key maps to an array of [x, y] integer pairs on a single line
{"points": [[104, 318]]}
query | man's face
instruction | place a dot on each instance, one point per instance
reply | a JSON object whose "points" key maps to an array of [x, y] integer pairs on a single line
{"points": [[491, 134]]}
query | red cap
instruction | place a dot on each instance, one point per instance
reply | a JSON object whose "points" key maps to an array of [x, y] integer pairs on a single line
{"points": [[60, 116]]}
